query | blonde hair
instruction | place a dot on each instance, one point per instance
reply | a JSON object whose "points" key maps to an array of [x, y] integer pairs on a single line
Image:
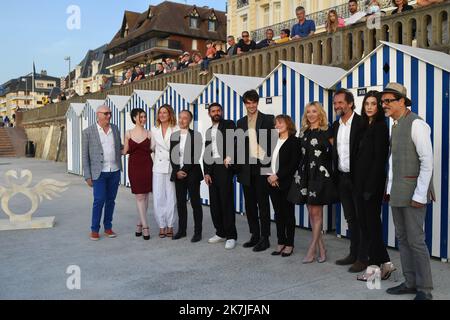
{"points": [[172, 118], [323, 121]]}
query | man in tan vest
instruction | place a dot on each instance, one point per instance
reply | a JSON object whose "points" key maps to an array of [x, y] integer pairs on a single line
{"points": [[409, 190]]}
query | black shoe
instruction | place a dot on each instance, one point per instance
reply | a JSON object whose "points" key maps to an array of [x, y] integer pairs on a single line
{"points": [[146, 237], [196, 238], [357, 267], [251, 243], [348, 260], [179, 235], [401, 289], [278, 253], [262, 245], [423, 296]]}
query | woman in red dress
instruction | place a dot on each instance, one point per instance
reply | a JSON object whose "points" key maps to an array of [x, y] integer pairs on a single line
{"points": [[138, 146]]}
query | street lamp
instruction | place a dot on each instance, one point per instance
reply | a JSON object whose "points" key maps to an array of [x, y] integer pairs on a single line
{"points": [[26, 91], [68, 59]]}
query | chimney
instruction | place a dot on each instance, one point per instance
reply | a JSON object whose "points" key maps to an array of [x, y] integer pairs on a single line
{"points": [[43, 72]]}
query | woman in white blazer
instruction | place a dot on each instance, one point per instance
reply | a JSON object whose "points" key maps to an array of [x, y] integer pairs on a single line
{"points": [[164, 196]]}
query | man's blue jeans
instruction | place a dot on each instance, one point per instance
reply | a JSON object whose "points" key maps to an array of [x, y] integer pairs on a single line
{"points": [[105, 192]]}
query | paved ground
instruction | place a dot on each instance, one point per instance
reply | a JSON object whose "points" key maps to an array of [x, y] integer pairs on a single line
{"points": [[33, 263]]}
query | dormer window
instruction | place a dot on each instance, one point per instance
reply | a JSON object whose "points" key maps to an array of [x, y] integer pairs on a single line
{"points": [[212, 23], [194, 19], [150, 14]]}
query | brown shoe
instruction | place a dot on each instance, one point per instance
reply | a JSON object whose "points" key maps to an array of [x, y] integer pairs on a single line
{"points": [[358, 266], [348, 260]]}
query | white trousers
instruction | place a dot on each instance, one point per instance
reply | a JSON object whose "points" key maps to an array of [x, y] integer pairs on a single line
{"points": [[164, 200]]}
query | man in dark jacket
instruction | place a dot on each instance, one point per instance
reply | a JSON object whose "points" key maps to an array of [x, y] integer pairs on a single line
{"points": [[251, 175]]}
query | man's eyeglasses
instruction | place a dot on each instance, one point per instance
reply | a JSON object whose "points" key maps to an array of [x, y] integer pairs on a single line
{"points": [[106, 114], [245, 36], [389, 101]]}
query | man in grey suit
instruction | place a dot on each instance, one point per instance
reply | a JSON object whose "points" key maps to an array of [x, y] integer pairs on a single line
{"points": [[102, 149], [410, 189]]}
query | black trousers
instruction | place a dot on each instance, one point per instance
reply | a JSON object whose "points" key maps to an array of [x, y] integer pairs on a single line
{"points": [[372, 229], [182, 188], [257, 199], [349, 200], [284, 216], [221, 198]]}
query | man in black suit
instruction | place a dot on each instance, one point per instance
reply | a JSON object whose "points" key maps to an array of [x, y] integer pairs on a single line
{"points": [[251, 172], [218, 166], [185, 153], [346, 135]]}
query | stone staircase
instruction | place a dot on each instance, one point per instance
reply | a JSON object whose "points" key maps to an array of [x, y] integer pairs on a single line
{"points": [[6, 146]]}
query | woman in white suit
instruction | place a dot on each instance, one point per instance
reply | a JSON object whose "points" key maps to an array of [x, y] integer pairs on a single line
{"points": [[164, 196]]}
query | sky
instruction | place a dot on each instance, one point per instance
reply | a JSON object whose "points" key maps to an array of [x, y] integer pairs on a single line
{"points": [[36, 30]]}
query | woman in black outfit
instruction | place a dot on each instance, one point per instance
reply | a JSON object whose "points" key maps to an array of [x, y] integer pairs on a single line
{"points": [[285, 160], [370, 179]]}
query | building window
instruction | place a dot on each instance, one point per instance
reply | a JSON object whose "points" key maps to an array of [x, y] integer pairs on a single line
{"points": [[266, 16], [244, 23], [194, 44], [125, 31], [50, 85], [276, 12], [194, 20], [212, 23]]}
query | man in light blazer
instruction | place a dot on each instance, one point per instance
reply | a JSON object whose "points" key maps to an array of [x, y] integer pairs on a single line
{"points": [[102, 165]]}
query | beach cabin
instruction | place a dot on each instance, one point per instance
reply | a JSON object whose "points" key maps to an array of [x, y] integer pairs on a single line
{"points": [[227, 90], [425, 74], [287, 90], [74, 125]]}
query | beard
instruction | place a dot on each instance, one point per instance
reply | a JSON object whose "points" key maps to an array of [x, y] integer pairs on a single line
{"points": [[339, 113], [216, 118]]}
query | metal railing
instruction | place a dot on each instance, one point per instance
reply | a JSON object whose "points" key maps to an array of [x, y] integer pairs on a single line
{"points": [[242, 3]]}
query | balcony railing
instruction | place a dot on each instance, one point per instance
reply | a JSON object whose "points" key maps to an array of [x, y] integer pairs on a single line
{"points": [[343, 49], [320, 18], [144, 46], [242, 3]]}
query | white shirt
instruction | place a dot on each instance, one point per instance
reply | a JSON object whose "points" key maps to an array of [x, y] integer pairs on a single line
{"points": [[420, 134], [183, 137], [343, 144], [109, 150], [275, 153], [161, 148], [215, 150]]}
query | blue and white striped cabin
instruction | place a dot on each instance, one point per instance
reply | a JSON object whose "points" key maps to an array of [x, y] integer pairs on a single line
{"points": [[228, 91], [425, 73], [89, 113], [74, 134], [181, 97], [144, 100], [117, 105], [287, 90]]}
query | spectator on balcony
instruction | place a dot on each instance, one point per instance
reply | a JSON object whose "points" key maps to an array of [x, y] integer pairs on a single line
{"points": [[218, 55], [106, 84], [140, 74], [333, 22], [284, 36], [268, 41], [88, 91], [304, 28], [197, 59], [185, 61], [232, 46], [426, 3], [159, 69], [373, 7], [128, 77], [401, 6], [355, 14], [170, 65], [210, 54], [246, 44], [63, 96]]}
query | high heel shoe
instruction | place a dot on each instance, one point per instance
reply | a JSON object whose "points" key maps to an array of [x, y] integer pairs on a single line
{"points": [[277, 253], [387, 269], [287, 254], [139, 230], [147, 237], [307, 261], [322, 260]]}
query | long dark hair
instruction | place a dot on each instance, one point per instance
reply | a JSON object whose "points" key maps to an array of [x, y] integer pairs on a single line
{"points": [[380, 112]]}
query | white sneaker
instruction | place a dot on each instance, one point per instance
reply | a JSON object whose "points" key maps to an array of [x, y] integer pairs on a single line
{"points": [[216, 239], [230, 244]]}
